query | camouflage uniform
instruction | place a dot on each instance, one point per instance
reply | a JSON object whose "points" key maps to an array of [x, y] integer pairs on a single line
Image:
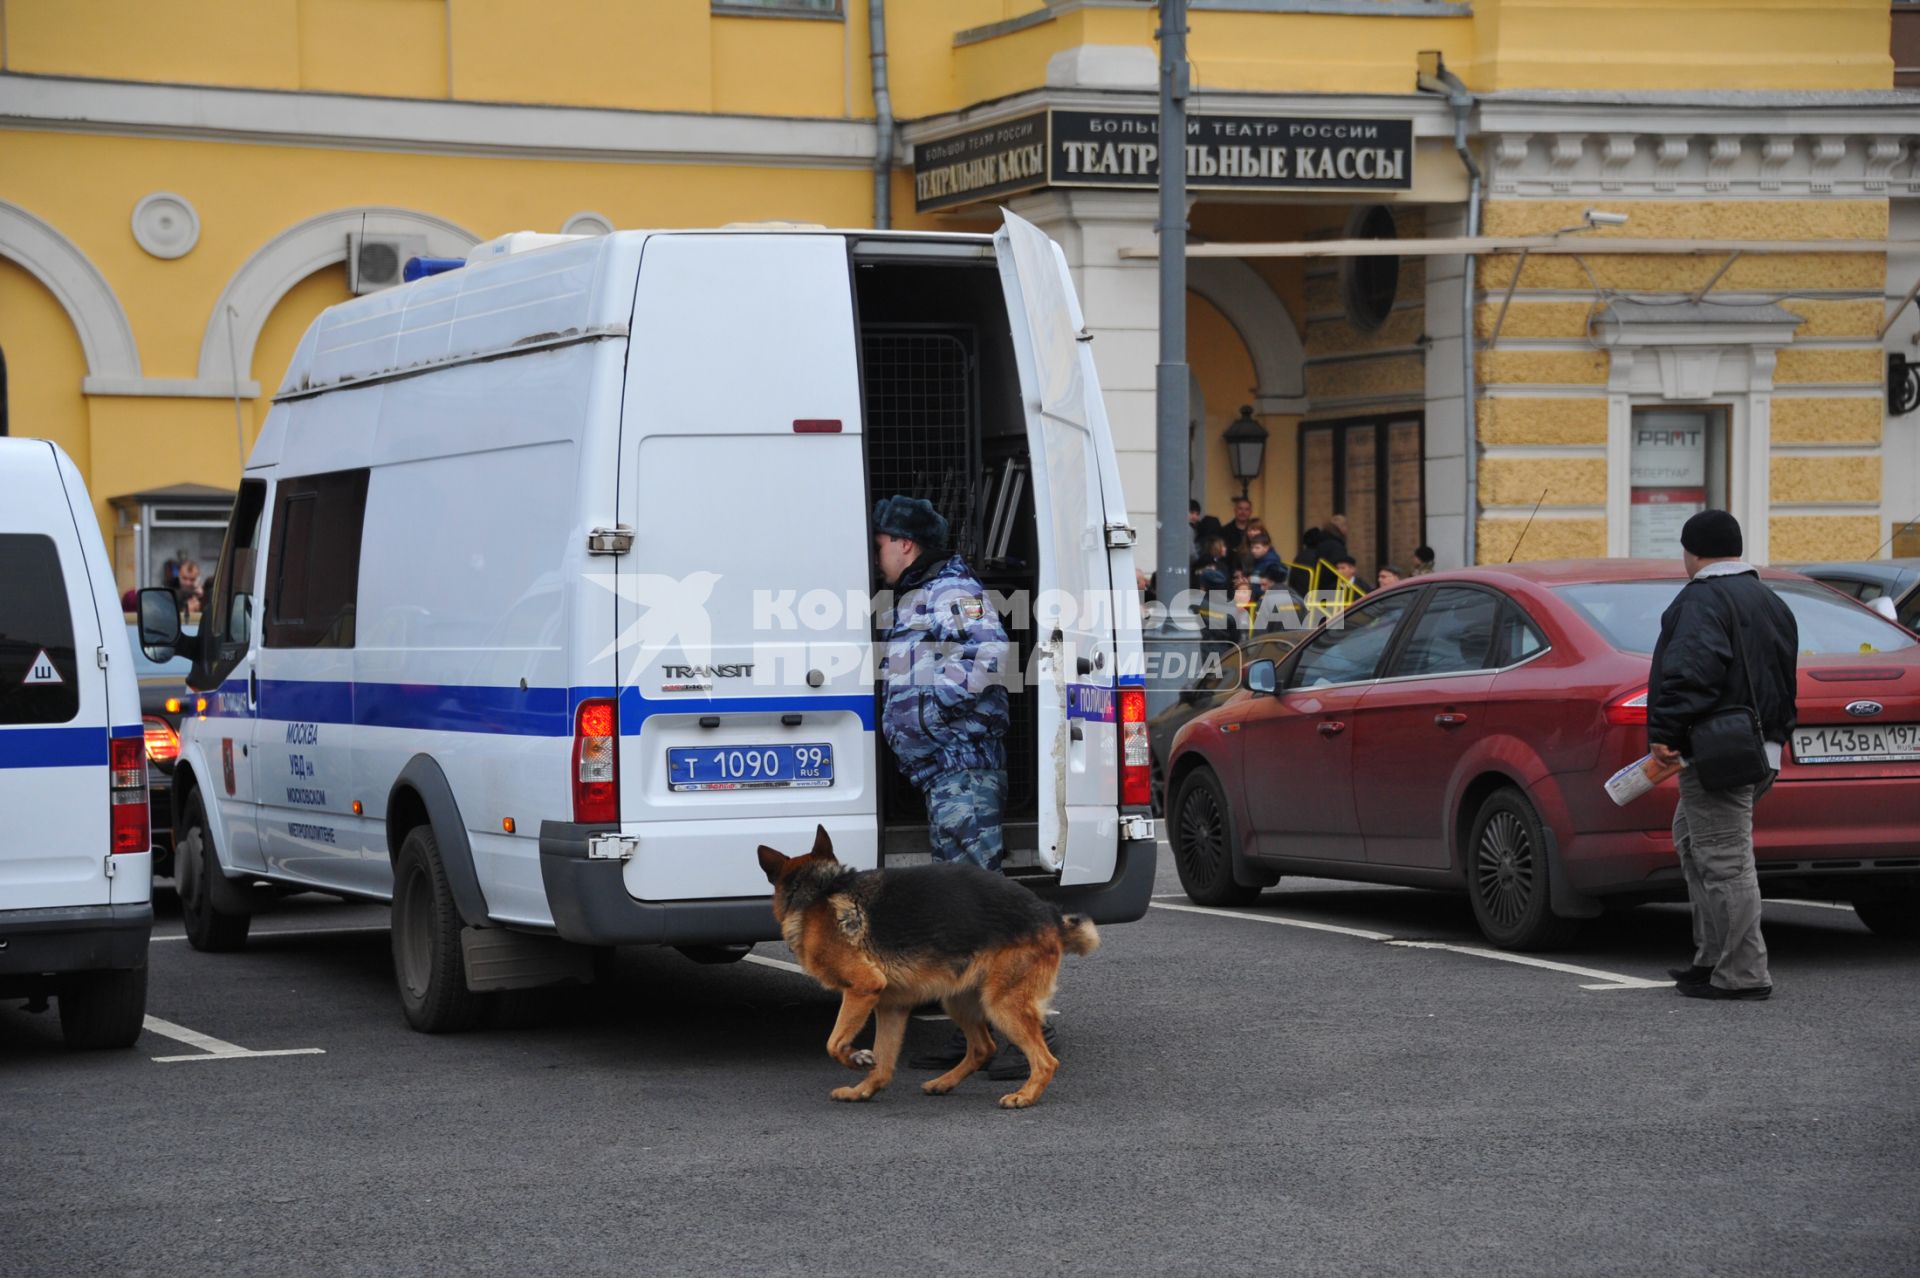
{"points": [[946, 708]]}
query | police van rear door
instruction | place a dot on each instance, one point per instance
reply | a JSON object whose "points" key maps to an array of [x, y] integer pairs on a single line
{"points": [[56, 843], [1076, 657], [746, 706]]}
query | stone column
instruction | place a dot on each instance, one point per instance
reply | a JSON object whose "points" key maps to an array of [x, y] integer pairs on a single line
{"points": [[1450, 427], [1120, 300]]}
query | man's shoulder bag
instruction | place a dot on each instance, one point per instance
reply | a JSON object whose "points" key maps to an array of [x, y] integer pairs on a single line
{"points": [[1728, 750]]}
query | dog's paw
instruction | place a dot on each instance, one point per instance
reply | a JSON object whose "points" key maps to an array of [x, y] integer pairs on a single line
{"points": [[934, 1087], [851, 1094], [1014, 1100], [862, 1059]]}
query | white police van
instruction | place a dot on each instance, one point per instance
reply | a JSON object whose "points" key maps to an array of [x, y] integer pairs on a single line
{"points": [[76, 876], [544, 601]]}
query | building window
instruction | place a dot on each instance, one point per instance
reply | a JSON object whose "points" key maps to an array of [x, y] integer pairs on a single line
{"points": [[778, 8], [1676, 467], [1371, 283], [1373, 471]]}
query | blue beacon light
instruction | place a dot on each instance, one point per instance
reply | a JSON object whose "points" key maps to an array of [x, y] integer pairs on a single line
{"points": [[418, 268]]}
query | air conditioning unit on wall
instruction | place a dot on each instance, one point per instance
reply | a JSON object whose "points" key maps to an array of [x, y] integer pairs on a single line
{"points": [[375, 261]]}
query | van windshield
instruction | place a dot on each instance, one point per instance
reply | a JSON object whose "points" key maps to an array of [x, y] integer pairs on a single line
{"points": [[39, 678], [1627, 615]]}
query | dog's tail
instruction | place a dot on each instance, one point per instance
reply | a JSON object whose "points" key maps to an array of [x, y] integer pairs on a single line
{"points": [[1078, 935]]}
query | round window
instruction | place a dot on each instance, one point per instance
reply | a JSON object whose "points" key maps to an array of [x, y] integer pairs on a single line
{"points": [[1372, 282]]}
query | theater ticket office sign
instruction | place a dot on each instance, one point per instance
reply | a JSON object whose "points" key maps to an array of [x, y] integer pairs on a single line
{"points": [[1121, 149]]}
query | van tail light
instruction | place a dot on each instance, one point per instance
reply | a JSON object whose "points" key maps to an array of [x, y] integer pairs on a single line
{"points": [[1136, 755], [596, 762], [163, 743], [127, 764], [1629, 711]]}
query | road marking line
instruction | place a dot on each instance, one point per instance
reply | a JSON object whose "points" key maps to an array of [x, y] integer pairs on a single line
{"points": [[317, 931], [211, 1048], [1362, 933], [1611, 980], [782, 964], [1822, 905]]}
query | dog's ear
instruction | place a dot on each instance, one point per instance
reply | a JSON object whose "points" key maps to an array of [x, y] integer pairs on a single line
{"points": [[822, 845], [771, 863]]}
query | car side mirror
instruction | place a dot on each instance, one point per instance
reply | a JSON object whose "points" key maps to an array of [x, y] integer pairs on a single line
{"points": [[1262, 677], [159, 623], [1884, 606]]}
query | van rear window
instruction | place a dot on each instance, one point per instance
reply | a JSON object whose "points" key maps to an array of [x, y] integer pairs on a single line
{"points": [[39, 677]]}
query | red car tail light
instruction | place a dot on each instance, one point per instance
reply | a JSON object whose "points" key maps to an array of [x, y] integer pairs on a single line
{"points": [[596, 764], [1630, 710], [1136, 755], [127, 788], [163, 743]]}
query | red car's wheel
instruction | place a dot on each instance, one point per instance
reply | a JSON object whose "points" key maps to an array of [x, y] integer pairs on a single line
{"points": [[1506, 863], [1201, 831]]}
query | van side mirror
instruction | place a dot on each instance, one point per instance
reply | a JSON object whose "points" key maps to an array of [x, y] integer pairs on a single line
{"points": [[1261, 677], [159, 623], [1884, 606]]}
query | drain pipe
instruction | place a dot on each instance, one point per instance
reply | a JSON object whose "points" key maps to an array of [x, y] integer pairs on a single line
{"points": [[883, 117], [1435, 78]]}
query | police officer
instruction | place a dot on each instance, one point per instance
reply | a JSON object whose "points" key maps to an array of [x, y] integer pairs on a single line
{"points": [[946, 706]]}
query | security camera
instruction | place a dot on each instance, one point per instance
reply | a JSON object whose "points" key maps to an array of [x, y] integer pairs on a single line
{"points": [[1600, 217]]}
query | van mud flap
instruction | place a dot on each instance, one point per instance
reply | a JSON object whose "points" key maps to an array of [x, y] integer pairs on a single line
{"points": [[1121, 899]]}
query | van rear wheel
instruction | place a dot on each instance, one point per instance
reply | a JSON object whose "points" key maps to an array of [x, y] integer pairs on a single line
{"points": [[103, 1009], [428, 965], [194, 865]]}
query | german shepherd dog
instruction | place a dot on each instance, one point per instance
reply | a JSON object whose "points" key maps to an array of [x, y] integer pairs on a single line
{"points": [[889, 940]]}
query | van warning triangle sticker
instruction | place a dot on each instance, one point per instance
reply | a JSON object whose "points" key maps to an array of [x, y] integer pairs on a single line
{"points": [[42, 671]]}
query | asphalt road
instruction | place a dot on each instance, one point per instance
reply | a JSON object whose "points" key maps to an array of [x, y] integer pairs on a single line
{"points": [[1237, 1095]]}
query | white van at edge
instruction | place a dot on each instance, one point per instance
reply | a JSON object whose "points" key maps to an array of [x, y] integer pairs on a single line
{"points": [[76, 859], [514, 529]]}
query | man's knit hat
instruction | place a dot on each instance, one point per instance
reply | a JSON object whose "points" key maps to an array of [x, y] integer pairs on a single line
{"points": [[1712, 534], [912, 519]]}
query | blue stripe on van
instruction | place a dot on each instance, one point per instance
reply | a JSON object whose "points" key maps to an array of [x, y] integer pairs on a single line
{"points": [[530, 712], [636, 708], [129, 730], [54, 747]]}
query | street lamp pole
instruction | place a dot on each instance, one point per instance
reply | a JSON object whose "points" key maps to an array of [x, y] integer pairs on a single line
{"points": [[1174, 546]]}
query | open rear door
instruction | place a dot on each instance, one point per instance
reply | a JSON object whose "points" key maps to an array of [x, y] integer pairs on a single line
{"points": [[1076, 657]]}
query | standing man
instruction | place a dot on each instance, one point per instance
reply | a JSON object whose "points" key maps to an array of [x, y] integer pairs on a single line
{"points": [[1725, 641], [1235, 533], [946, 707]]}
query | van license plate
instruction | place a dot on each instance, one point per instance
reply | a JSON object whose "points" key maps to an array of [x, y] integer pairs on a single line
{"points": [[750, 767], [1880, 743]]}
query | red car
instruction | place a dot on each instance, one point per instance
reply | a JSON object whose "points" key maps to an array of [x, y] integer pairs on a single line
{"points": [[1456, 731]]}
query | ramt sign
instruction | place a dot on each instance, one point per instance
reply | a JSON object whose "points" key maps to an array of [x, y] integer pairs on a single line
{"points": [[1114, 149]]}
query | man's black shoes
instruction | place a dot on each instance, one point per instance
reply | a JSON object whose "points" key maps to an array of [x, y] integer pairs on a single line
{"points": [[1012, 1063], [1008, 1062], [945, 1056], [1719, 992], [1695, 975]]}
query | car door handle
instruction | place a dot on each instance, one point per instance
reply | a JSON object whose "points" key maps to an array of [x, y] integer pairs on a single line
{"points": [[1449, 719], [1332, 728]]}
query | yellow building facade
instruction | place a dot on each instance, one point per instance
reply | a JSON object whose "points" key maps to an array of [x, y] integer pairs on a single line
{"points": [[184, 187]]}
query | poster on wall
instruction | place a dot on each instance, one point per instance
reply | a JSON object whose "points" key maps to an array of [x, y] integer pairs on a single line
{"points": [[1656, 517], [1667, 472]]}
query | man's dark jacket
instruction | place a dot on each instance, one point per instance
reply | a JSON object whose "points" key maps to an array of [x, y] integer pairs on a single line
{"points": [[1693, 667]]}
